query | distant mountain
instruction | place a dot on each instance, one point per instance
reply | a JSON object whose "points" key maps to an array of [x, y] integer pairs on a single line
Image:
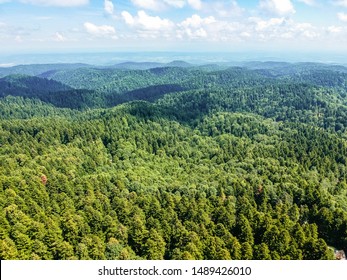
{"points": [[268, 68], [278, 69], [179, 63], [137, 65], [211, 67], [38, 69], [265, 65], [129, 65]]}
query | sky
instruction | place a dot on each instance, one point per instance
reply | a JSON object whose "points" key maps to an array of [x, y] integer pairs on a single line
{"points": [[173, 25]]}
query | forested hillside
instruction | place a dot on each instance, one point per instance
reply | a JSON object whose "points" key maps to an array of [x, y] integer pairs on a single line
{"points": [[173, 162]]}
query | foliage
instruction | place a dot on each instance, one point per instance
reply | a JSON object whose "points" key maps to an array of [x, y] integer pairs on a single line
{"points": [[221, 165]]}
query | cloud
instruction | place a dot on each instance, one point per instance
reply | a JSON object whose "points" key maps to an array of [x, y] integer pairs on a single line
{"points": [[342, 3], [230, 9], [305, 30], [281, 29], [58, 3], [308, 2], [334, 29], [195, 27], [342, 16], [175, 3], [268, 25], [100, 30], [148, 27], [149, 4], [221, 7], [128, 18], [58, 37], [157, 5], [146, 22], [108, 7], [195, 21], [195, 4], [212, 29], [278, 7]]}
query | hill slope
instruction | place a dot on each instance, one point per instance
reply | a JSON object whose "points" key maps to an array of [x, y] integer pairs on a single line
{"points": [[192, 164]]}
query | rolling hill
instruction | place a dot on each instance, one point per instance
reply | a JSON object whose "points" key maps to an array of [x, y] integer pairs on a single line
{"points": [[173, 162]]}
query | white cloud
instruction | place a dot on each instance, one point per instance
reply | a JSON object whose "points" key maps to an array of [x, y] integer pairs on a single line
{"points": [[282, 28], [254, 29], [342, 16], [245, 35], [58, 3], [157, 5], [148, 27], [175, 3], [196, 27], [211, 29], [230, 9], [278, 7], [195, 4], [308, 2], [146, 22], [108, 7], [149, 4], [100, 30], [303, 30], [342, 3], [264, 25], [128, 18], [58, 37], [334, 29], [195, 21]]}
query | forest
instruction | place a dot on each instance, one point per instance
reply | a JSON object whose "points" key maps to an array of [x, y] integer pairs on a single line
{"points": [[173, 161]]}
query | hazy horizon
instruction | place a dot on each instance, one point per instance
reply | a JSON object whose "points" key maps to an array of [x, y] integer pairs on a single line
{"points": [[111, 58]]}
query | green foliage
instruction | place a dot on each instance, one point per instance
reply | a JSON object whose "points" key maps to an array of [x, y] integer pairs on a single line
{"points": [[236, 167]]}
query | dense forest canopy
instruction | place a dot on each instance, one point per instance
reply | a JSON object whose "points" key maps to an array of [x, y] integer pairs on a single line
{"points": [[173, 161]]}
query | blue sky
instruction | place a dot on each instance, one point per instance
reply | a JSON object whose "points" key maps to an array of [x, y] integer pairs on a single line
{"points": [[173, 25]]}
